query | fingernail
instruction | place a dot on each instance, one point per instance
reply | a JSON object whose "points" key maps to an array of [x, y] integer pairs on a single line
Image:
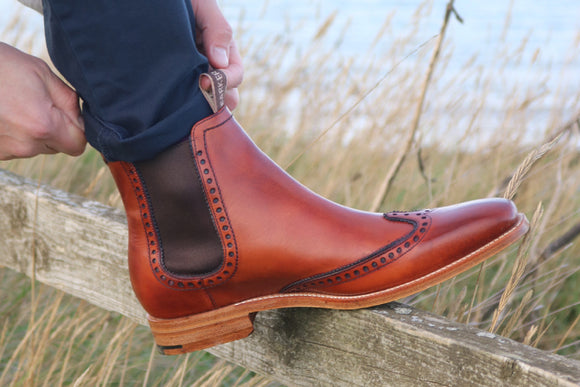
{"points": [[220, 57]]}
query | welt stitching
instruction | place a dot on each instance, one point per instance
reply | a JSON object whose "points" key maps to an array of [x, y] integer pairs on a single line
{"points": [[167, 278]]}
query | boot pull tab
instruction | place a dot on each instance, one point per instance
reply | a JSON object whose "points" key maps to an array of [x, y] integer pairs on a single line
{"points": [[215, 95]]}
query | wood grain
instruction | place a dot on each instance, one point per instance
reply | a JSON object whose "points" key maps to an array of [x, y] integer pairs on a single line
{"points": [[80, 247]]}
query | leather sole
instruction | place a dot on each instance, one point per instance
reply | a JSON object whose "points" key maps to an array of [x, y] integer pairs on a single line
{"points": [[233, 322]]}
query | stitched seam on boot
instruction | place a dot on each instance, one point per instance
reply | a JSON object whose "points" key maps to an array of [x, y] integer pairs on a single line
{"points": [[371, 263], [168, 279]]}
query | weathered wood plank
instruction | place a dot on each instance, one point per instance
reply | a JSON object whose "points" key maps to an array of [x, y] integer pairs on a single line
{"points": [[80, 247]]}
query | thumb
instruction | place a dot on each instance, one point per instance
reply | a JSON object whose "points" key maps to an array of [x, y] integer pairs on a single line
{"points": [[65, 99], [66, 137], [216, 34], [67, 134]]}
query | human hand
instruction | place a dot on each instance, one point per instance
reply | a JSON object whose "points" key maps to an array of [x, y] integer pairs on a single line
{"points": [[39, 113], [215, 40]]}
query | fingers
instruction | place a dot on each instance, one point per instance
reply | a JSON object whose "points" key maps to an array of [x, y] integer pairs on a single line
{"points": [[38, 112], [234, 76], [53, 134], [40, 142], [232, 98], [218, 45], [235, 70], [215, 32], [16, 148], [65, 99], [67, 135]]}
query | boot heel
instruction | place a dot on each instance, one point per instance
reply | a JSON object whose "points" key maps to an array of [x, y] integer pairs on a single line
{"points": [[192, 333]]}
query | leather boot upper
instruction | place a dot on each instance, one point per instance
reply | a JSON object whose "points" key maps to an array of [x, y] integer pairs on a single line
{"points": [[275, 236]]}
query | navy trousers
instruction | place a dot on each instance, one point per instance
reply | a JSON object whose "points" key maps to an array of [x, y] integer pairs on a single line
{"points": [[136, 67]]}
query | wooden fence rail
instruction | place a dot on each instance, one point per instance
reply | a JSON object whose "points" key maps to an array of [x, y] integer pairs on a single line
{"points": [[79, 246]]}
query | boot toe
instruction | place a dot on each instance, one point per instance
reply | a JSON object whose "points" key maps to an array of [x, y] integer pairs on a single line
{"points": [[458, 237], [445, 241], [470, 225]]}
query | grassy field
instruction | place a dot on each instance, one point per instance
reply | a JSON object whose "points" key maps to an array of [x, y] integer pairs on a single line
{"points": [[298, 107]]}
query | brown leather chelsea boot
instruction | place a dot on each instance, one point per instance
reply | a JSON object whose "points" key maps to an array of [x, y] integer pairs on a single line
{"points": [[218, 232]]}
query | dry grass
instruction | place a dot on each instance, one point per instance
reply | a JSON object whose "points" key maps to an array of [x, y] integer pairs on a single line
{"points": [[298, 106], [61, 340]]}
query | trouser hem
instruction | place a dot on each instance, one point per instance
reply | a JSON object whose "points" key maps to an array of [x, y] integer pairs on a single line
{"points": [[118, 144]]}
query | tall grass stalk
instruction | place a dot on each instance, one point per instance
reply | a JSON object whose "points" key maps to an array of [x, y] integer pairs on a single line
{"points": [[410, 139], [517, 271]]}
